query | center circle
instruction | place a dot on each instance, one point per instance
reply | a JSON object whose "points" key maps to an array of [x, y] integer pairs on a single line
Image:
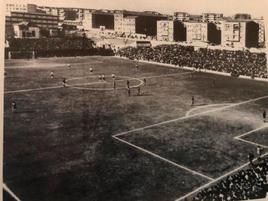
{"points": [[93, 82]]}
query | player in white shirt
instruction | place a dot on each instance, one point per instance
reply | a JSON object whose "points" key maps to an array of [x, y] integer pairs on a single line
{"points": [[51, 74]]}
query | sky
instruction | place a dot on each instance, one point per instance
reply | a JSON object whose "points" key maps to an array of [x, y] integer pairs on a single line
{"points": [[256, 8]]}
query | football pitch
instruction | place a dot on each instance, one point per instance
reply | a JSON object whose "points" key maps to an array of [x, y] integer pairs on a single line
{"points": [[92, 140]]}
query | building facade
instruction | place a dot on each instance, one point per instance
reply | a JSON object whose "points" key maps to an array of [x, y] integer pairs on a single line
{"points": [[26, 30], [165, 30], [26, 8], [129, 25], [43, 21], [49, 10], [118, 21], [233, 34], [102, 19], [196, 31], [261, 24], [240, 34], [87, 21]]}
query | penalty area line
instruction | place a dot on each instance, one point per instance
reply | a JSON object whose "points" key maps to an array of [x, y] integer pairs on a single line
{"points": [[239, 137], [191, 116], [164, 159], [250, 142], [250, 132], [5, 187], [216, 180]]}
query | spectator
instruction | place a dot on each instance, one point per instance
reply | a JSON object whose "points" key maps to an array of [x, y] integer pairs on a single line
{"points": [[234, 62], [245, 184]]}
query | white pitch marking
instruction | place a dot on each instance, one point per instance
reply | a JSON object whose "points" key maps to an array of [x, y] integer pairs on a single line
{"points": [[10, 192], [46, 66], [84, 84], [79, 78], [107, 89], [205, 106], [46, 88], [216, 180], [29, 90], [164, 159], [167, 75], [72, 86], [37, 67], [130, 78], [188, 117], [76, 78], [250, 142], [185, 168], [165, 122], [253, 131], [231, 172]]}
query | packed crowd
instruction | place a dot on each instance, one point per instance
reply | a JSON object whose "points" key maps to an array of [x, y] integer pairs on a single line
{"points": [[50, 44], [244, 185], [50, 47], [233, 62]]}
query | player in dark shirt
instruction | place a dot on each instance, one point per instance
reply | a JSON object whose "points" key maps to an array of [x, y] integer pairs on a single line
{"points": [[250, 158], [64, 82], [264, 116], [128, 84], [139, 91], [259, 152], [144, 80], [192, 101], [114, 85]]}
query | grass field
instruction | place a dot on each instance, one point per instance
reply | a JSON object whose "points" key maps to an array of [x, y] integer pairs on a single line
{"points": [[89, 142]]}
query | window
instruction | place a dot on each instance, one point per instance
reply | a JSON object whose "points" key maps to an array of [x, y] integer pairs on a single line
{"points": [[236, 27], [33, 33], [23, 34], [28, 34]]}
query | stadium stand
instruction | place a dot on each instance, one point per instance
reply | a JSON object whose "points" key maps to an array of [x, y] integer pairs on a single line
{"points": [[234, 62], [49, 47], [244, 185]]}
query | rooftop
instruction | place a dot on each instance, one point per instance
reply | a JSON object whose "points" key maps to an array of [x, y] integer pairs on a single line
{"points": [[131, 17], [24, 13]]}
